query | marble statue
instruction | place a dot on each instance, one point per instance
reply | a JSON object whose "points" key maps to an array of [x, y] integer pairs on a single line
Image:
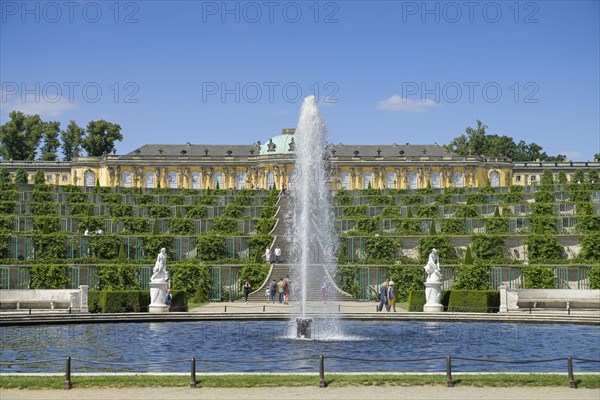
{"points": [[434, 273], [160, 273], [433, 284]]}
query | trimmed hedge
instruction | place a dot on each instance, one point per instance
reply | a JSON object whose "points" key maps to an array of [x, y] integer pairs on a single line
{"points": [[128, 301], [459, 300], [482, 301]]}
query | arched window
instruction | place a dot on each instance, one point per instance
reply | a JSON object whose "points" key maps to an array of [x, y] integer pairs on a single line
{"points": [[172, 180], [149, 179], [218, 180], [240, 180], [367, 179], [292, 178], [345, 180], [435, 180], [458, 179], [270, 179], [89, 178], [412, 180], [390, 180], [126, 179], [195, 180], [495, 179]]}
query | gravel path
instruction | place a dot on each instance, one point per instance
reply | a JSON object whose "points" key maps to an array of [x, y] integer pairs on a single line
{"points": [[306, 393]]}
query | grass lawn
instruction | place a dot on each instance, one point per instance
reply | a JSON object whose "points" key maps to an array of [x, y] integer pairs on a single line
{"points": [[332, 380]]}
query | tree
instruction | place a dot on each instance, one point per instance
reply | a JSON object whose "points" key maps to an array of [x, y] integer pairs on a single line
{"points": [[21, 177], [4, 176], [39, 178], [101, 137], [72, 138], [20, 137], [597, 157], [50, 146]]}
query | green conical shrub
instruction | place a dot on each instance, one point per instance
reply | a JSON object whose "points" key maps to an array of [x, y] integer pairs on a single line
{"points": [[468, 257], [121, 259], [432, 230], [496, 212]]}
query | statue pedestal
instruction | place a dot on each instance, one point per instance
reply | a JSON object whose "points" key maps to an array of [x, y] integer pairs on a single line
{"points": [[158, 292], [433, 294]]}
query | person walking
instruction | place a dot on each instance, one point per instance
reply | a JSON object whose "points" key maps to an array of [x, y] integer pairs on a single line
{"points": [[280, 290], [286, 290], [391, 296], [246, 291], [325, 290], [273, 289], [383, 297], [168, 299], [268, 254], [277, 255]]}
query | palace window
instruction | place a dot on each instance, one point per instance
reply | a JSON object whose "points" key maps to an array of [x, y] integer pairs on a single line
{"points": [[412, 180], [533, 178], [435, 180], [240, 181], [270, 179], [49, 178], [458, 179], [172, 180], [390, 180], [345, 180], [495, 179], [65, 178], [218, 180], [195, 180], [126, 179], [89, 179], [149, 179], [367, 180], [518, 178]]}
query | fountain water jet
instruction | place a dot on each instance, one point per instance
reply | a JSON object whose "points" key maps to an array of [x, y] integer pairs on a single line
{"points": [[311, 222]]}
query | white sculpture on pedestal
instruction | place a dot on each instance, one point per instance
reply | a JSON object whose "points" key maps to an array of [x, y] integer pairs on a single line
{"points": [[158, 284], [433, 284]]}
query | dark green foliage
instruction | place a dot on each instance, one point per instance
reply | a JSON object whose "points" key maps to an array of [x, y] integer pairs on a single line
{"points": [[160, 211], [594, 277], [122, 257], [416, 300], [379, 200], [344, 198], [443, 198], [21, 177], [46, 224], [390, 212], [8, 207], [543, 196], [481, 301], [39, 179], [547, 179], [41, 196], [5, 176], [268, 211], [144, 199], [45, 276], [6, 223], [342, 252], [50, 247], [105, 247], [4, 243], [367, 225], [196, 212], [76, 197], [133, 226], [412, 199], [477, 198], [489, 247], [543, 249], [446, 249], [176, 200], [588, 223], [121, 210], [191, 277], [562, 177], [8, 195], [466, 211], [432, 230], [468, 257], [211, 247], [118, 277], [227, 226], [156, 228], [427, 211], [112, 198], [355, 211], [255, 274], [590, 247], [346, 278], [153, 244], [81, 209], [382, 249], [233, 211], [536, 277], [208, 200], [406, 279], [90, 223], [472, 277], [578, 176], [120, 301], [265, 225], [497, 225], [43, 208], [514, 195], [453, 226], [182, 226]]}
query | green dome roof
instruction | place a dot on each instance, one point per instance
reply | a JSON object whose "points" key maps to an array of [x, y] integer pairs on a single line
{"points": [[279, 144]]}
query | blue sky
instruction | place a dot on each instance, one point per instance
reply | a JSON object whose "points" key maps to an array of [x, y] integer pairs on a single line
{"points": [[235, 72]]}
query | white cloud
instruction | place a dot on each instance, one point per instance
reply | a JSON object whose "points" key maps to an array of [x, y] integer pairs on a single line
{"points": [[400, 104], [42, 107], [573, 155]]}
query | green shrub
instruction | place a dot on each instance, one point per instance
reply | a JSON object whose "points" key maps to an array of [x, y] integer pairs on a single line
{"points": [[50, 247], [8, 207], [497, 225], [367, 225], [344, 198], [466, 211], [192, 278], [196, 212], [9, 195], [594, 277], [453, 226], [537, 277], [443, 198], [588, 223], [43, 208], [144, 199], [121, 210], [489, 247], [46, 224], [83, 209], [160, 211], [265, 225], [476, 198], [176, 200], [543, 249], [233, 211], [208, 200], [228, 226], [135, 226], [182, 226], [7, 223], [382, 249], [153, 244], [379, 200], [90, 223], [255, 274], [45, 276], [41, 196], [412, 199], [112, 198], [590, 247], [268, 211], [124, 301], [416, 300], [105, 247], [356, 211], [390, 212], [211, 247], [76, 197], [445, 248], [346, 278], [427, 211], [472, 277], [21, 177], [406, 279], [408, 226], [118, 277], [481, 301]]}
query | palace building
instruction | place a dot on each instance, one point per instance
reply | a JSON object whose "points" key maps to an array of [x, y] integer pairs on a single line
{"points": [[262, 165]]}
